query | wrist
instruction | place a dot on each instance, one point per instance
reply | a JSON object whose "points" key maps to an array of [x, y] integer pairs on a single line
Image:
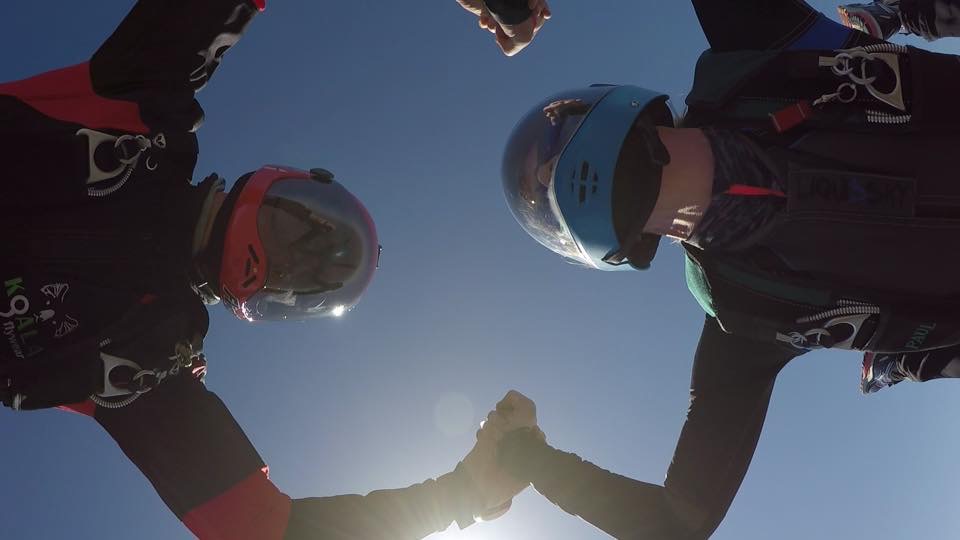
{"points": [[460, 494], [520, 451]]}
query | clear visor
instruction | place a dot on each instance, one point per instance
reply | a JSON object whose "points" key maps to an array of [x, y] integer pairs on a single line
{"points": [[531, 157], [321, 251]]}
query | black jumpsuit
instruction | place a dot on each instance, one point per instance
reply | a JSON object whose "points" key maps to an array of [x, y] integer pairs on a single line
{"points": [[98, 232], [733, 376]]}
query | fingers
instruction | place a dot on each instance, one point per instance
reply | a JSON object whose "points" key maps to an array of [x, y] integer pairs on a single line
{"points": [[487, 22], [505, 42], [517, 410], [493, 427], [514, 401], [514, 38], [545, 15], [473, 6], [514, 411], [510, 38]]}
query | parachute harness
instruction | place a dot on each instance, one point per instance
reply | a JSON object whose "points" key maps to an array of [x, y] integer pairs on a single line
{"points": [[848, 313], [145, 380], [855, 65], [127, 149]]}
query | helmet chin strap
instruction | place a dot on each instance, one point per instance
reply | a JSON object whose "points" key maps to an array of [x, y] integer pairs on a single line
{"points": [[200, 268]]}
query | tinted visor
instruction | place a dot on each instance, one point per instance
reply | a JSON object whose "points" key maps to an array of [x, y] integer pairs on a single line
{"points": [[529, 163], [321, 252]]}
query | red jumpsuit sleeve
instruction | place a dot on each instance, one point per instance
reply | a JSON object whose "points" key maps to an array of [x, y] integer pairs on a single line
{"points": [[187, 444], [184, 440]]}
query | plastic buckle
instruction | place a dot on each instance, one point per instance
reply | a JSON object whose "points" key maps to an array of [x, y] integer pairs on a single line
{"points": [[792, 116]]}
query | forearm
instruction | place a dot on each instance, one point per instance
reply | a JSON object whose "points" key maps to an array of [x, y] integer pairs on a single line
{"points": [[931, 19], [396, 514], [169, 45], [620, 506], [730, 390]]}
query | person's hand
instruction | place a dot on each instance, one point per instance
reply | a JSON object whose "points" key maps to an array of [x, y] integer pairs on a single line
{"points": [[496, 487], [510, 38], [518, 412], [560, 109]]}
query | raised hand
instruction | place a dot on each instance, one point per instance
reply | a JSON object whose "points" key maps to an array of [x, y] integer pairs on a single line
{"points": [[496, 487], [518, 412], [511, 38]]}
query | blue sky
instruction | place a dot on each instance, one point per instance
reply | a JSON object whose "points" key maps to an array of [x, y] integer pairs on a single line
{"points": [[410, 104]]}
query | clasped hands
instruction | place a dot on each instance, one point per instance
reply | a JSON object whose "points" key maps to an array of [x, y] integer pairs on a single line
{"points": [[495, 486]]}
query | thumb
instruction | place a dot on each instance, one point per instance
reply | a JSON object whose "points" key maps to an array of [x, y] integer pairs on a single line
{"points": [[505, 42], [509, 30]]}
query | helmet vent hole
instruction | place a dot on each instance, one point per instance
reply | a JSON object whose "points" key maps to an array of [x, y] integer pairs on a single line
{"points": [[585, 182]]}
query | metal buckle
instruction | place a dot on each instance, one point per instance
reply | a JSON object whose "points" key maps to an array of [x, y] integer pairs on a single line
{"points": [[841, 66], [94, 140], [111, 363]]}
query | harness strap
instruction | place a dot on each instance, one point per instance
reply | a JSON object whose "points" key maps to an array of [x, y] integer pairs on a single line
{"points": [[155, 340]]}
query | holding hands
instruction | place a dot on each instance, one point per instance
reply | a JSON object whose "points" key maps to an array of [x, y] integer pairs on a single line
{"points": [[496, 487], [512, 38]]}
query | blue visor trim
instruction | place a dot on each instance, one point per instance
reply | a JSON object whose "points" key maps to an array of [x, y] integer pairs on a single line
{"points": [[583, 179]]}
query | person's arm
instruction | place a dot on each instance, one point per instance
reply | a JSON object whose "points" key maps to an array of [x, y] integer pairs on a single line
{"points": [[730, 390], [184, 440], [931, 19], [173, 45], [731, 25]]}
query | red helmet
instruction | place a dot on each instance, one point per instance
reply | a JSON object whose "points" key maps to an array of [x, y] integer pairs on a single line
{"points": [[297, 245]]}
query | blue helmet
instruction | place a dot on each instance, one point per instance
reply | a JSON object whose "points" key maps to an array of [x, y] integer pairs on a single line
{"points": [[581, 174]]}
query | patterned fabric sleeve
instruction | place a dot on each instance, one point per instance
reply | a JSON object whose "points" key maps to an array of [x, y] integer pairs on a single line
{"points": [[731, 218]]}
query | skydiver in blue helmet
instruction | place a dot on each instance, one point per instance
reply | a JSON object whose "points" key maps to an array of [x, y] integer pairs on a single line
{"points": [[811, 184]]}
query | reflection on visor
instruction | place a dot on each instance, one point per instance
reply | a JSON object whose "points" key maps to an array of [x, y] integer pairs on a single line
{"points": [[317, 249], [307, 254], [530, 162]]}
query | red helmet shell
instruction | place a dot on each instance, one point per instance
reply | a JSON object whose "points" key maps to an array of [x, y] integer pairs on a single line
{"points": [[244, 269], [245, 276]]}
